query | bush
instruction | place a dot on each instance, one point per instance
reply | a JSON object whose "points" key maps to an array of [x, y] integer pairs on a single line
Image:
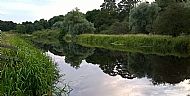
{"points": [[118, 28]]}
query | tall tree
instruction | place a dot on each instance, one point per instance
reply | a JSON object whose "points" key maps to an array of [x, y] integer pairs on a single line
{"points": [[141, 18], [104, 17], [7, 25], [55, 19], [165, 3], [92, 15], [75, 23], [124, 7], [44, 23], [110, 6], [101, 19], [29, 27], [173, 21], [37, 25]]}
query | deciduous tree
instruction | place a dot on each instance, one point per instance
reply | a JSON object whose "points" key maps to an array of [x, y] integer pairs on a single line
{"points": [[75, 23], [173, 21], [141, 18]]}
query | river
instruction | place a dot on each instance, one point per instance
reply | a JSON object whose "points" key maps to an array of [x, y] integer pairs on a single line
{"points": [[102, 72]]}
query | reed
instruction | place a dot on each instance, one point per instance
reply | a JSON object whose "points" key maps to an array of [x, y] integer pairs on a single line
{"points": [[147, 44], [27, 71]]}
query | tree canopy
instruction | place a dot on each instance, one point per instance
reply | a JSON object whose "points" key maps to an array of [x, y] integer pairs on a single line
{"points": [[168, 17], [7, 25], [75, 23], [173, 21], [141, 18]]}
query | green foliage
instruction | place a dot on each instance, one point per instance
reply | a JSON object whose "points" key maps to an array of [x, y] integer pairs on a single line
{"points": [[148, 44], [29, 72], [118, 28], [187, 4], [37, 25], [165, 3], [58, 24], [25, 27], [124, 8], [44, 23], [92, 15], [141, 18], [110, 13], [45, 37], [55, 19], [173, 21], [49, 40], [75, 23], [101, 19], [21, 29], [7, 25], [28, 27], [68, 38], [109, 6]]}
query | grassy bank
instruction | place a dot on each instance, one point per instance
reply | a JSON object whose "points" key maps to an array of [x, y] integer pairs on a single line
{"points": [[44, 39], [148, 44], [48, 37], [25, 70]]}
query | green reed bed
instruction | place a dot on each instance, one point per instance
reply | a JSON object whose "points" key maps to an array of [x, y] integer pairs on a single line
{"points": [[148, 44], [25, 71], [44, 39]]}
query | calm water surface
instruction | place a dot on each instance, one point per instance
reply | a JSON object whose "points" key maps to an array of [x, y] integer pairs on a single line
{"points": [[101, 72]]}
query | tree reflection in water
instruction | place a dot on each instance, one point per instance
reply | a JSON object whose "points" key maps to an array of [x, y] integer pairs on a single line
{"points": [[160, 69], [74, 54]]}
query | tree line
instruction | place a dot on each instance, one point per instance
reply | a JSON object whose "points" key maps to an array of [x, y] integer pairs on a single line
{"points": [[29, 27], [168, 17]]}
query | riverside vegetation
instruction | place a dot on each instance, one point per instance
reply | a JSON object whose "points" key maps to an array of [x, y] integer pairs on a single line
{"points": [[161, 28], [147, 44], [25, 70]]}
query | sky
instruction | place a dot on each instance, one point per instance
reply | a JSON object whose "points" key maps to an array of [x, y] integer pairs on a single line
{"points": [[31, 10]]}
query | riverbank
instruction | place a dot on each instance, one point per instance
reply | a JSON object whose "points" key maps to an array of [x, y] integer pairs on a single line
{"points": [[141, 43], [147, 44], [25, 70]]}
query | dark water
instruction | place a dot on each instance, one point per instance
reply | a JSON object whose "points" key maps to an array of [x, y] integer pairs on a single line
{"points": [[101, 72]]}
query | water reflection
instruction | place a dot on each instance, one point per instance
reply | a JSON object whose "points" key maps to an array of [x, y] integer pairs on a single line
{"points": [[161, 69], [135, 69], [89, 80], [111, 62], [74, 54]]}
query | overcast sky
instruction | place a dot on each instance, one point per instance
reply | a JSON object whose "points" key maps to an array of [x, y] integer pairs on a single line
{"points": [[30, 10]]}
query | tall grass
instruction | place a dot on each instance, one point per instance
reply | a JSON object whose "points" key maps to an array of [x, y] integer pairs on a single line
{"points": [[148, 44], [27, 71], [48, 36], [44, 39]]}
